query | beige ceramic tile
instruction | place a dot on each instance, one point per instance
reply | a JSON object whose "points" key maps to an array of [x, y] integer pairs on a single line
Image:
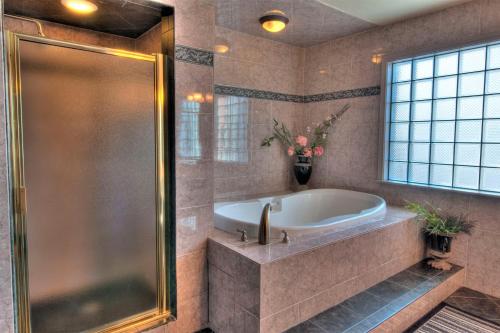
{"points": [[150, 42], [195, 24], [192, 275], [281, 321], [223, 290], [245, 322], [193, 226], [192, 315], [490, 23]]}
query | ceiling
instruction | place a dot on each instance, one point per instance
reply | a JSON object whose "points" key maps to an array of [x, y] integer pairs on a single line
{"points": [[311, 22], [389, 11], [128, 18], [316, 21]]}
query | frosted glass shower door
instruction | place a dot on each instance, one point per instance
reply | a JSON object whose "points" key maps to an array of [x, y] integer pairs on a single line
{"points": [[88, 122]]}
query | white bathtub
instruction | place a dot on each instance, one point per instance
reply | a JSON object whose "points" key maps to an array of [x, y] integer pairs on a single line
{"points": [[301, 212]]}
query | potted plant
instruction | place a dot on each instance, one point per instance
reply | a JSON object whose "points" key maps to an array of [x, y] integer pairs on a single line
{"points": [[304, 146], [440, 229]]}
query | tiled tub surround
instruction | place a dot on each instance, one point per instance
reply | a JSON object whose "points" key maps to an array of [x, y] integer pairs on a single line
{"points": [[255, 288], [256, 170], [267, 77], [351, 159]]}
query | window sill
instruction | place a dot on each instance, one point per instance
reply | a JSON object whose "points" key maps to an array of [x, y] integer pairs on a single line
{"points": [[444, 189]]}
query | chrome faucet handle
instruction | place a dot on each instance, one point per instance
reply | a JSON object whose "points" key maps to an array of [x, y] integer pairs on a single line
{"points": [[286, 238], [244, 237]]}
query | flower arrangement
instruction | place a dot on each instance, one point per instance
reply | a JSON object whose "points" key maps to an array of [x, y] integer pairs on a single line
{"points": [[311, 144]]}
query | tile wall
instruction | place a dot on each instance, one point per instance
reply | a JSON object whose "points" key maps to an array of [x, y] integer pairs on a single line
{"points": [[255, 63], [351, 158], [194, 172]]}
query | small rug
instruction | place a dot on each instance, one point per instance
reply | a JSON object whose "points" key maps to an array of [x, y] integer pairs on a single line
{"points": [[450, 320]]}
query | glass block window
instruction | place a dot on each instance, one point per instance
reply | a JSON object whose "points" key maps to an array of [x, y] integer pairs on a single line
{"points": [[189, 134], [443, 124], [231, 127]]}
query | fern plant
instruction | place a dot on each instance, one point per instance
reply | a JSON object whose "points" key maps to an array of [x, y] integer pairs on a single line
{"points": [[439, 223]]}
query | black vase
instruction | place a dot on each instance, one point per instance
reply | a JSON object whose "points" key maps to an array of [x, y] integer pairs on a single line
{"points": [[440, 243], [303, 169]]}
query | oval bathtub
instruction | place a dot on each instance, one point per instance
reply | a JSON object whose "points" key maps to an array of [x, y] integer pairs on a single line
{"points": [[301, 212]]}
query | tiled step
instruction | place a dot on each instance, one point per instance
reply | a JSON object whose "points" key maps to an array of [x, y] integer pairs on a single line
{"points": [[390, 306]]}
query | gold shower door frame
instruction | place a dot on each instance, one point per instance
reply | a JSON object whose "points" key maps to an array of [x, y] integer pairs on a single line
{"points": [[148, 319]]}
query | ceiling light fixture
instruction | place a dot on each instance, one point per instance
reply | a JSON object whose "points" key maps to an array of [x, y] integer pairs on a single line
{"points": [[221, 48], [80, 6], [274, 21], [377, 58]]}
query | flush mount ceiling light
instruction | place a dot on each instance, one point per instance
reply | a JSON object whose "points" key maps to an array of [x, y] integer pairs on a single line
{"points": [[377, 58], [221, 46], [80, 6], [274, 21]]}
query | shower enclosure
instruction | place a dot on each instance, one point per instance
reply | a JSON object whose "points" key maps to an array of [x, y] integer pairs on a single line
{"points": [[86, 138]]}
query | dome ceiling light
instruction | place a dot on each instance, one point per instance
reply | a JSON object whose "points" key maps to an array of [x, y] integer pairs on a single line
{"points": [[80, 6], [274, 21]]}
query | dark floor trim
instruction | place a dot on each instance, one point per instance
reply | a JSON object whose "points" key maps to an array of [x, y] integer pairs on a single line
{"points": [[269, 95], [194, 56]]}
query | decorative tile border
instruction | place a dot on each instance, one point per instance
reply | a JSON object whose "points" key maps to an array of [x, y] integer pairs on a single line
{"points": [[352, 93], [261, 94], [194, 56]]}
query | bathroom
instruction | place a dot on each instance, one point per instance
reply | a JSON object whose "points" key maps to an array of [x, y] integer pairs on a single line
{"points": [[168, 199]]}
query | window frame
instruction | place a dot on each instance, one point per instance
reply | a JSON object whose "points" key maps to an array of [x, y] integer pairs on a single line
{"points": [[386, 101]]}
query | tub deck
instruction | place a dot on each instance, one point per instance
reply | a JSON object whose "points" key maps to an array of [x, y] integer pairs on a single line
{"points": [[263, 254]]}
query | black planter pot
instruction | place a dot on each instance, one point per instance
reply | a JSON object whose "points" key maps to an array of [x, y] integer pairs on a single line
{"points": [[303, 169], [441, 243]]}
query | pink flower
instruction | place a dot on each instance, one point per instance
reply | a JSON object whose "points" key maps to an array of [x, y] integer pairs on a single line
{"points": [[308, 152], [318, 151], [291, 151], [301, 140]]}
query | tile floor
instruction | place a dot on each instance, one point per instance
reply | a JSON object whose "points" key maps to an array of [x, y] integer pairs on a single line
{"points": [[475, 303]]}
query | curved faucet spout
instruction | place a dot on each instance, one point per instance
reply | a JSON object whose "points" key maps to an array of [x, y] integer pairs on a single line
{"points": [[265, 225]]}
